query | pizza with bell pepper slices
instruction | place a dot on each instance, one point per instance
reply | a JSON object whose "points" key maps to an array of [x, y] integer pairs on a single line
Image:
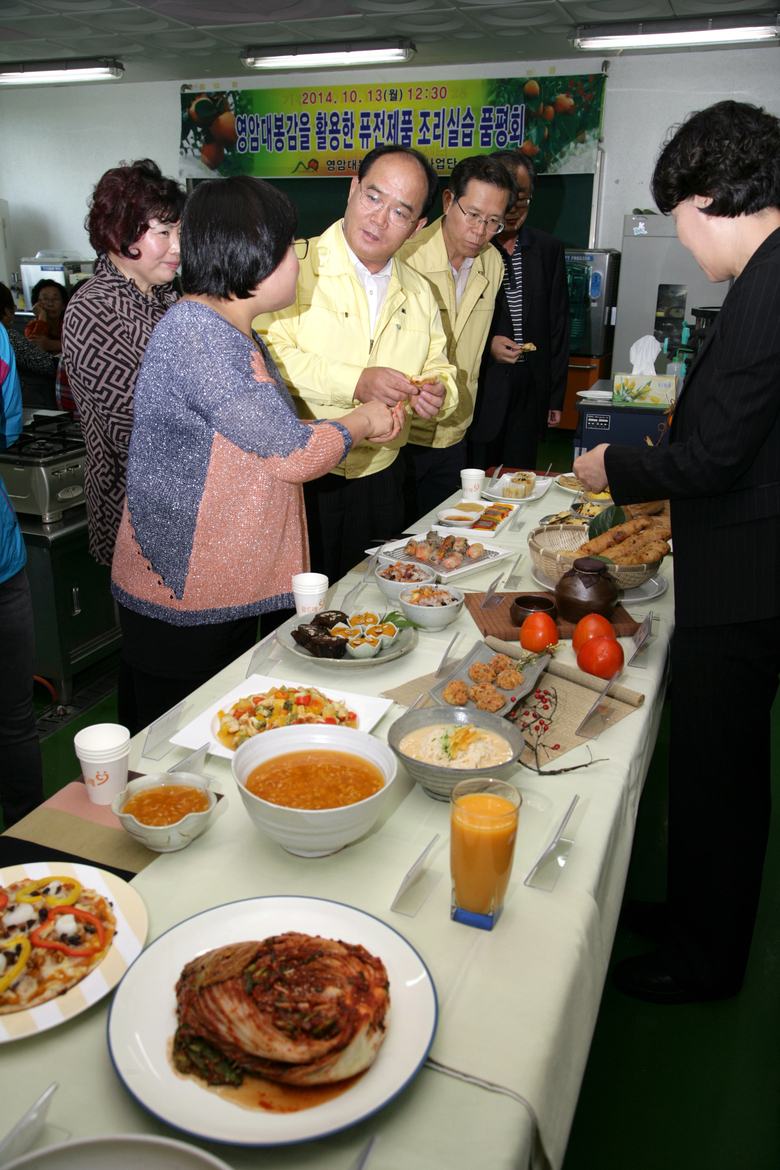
{"points": [[53, 932]]}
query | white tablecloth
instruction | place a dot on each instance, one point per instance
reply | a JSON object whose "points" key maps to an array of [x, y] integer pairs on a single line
{"points": [[517, 1006]]}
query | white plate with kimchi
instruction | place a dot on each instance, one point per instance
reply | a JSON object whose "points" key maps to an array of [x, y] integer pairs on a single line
{"points": [[261, 703], [143, 1021]]}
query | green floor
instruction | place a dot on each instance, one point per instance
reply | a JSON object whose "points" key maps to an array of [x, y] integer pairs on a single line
{"points": [[684, 1088]]}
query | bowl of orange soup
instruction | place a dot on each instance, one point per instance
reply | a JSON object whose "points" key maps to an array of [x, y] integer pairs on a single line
{"points": [[314, 788], [165, 812]]}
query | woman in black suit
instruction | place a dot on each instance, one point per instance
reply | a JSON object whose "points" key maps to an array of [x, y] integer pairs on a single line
{"points": [[719, 176]]}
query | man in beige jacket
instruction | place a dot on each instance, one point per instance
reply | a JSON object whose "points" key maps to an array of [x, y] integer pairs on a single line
{"points": [[465, 271], [361, 326]]}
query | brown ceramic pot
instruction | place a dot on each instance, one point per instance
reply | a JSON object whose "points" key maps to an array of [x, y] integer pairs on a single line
{"points": [[527, 603], [586, 588]]}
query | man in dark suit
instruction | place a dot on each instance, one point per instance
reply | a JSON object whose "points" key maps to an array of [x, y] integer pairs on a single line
{"points": [[719, 176], [522, 392]]}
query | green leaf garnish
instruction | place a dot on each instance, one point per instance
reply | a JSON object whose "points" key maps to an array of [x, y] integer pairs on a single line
{"points": [[400, 621], [605, 520]]}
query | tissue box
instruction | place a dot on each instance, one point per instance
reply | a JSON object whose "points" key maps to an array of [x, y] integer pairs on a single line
{"points": [[644, 389]]}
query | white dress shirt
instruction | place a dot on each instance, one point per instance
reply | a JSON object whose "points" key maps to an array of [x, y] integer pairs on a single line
{"points": [[461, 276], [375, 284]]}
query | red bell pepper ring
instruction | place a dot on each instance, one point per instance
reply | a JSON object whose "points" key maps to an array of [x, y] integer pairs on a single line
{"points": [[56, 945], [3, 899]]}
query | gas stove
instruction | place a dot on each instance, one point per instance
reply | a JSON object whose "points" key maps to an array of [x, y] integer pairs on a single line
{"points": [[43, 470]]}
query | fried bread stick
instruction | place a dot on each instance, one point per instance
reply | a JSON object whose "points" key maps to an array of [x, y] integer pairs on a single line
{"points": [[656, 551], [614, 536]]}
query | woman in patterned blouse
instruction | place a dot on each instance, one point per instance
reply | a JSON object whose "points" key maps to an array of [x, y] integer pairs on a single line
{"points": [[133, 225]]}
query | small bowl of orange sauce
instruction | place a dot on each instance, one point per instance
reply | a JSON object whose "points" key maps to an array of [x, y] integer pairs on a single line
{"points": [[165, 812], [314, 788]]}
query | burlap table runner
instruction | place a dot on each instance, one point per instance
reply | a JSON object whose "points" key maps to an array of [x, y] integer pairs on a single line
{"points": [[498, 624], [551, 713], [68, 826]]}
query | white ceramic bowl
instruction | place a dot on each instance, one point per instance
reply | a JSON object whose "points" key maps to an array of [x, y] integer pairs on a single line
{"points": [[120, 1152], [313, 832], [165, 838], [391, 589], [431, 617], [455, 519], [434, 779]]}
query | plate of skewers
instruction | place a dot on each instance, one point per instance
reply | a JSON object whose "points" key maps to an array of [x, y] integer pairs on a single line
{"points": [[450, 556]]}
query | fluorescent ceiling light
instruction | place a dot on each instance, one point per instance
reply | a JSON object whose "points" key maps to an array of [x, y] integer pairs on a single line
{"points": [[56, 72], [677, 34], [343, 53]]}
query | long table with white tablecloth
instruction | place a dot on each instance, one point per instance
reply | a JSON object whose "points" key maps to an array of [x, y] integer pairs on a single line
{"points": [[517, 1006]]}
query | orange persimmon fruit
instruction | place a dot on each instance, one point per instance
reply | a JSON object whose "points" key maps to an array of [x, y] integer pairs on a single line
{"points": [[537, 632], [593, 625]]}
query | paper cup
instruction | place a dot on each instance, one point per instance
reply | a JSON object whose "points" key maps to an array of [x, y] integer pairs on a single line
{"points": [[471, 480], [309, 591], [103, 751]]}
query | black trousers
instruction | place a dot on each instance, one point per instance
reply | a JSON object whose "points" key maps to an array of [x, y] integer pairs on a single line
{"points": [[430, 475], [724, 681], [515, 429], [162, 663], [21, 771], [345, 516]]}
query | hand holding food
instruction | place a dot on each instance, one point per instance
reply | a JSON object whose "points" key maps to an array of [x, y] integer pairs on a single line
{"points": [[382, 384], [430, 397], [382, 422], [590, 468], [505, 350]]}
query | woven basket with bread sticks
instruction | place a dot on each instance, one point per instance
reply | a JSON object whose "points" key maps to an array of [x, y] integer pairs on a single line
{"points": [[636, 547]]}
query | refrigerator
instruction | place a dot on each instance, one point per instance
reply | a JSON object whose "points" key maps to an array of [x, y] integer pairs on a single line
{"points": [[592, 276], [660, 286]]}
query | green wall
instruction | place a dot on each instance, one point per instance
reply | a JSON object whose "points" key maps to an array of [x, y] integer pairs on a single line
{"points": [[561, 205]]}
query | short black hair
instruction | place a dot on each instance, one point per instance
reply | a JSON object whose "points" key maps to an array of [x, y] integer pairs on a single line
{"points": [[729, 152], [38, 288], [485, 168], [234, 233], [515, 158], [6, 300], [431, 178]]}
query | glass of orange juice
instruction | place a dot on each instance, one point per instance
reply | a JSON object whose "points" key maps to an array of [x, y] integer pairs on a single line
{"points": [[483, 828]]}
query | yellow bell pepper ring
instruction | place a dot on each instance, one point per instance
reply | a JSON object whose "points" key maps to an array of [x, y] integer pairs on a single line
{"points": [[32, 893], [26, 947]]}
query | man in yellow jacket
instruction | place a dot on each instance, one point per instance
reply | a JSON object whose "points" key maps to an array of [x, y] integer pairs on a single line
{"points": [[456, 256], [361, 326]]}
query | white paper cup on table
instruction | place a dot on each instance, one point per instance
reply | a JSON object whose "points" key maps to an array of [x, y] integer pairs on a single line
{"points": [[103, 751], [309, 591], [471, 482]]}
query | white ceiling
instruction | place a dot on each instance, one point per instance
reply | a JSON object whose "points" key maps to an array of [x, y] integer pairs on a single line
{"points": [[182, 39]]}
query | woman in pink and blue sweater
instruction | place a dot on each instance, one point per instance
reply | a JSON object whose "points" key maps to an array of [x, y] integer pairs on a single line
{"points": [[214, 525]]}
